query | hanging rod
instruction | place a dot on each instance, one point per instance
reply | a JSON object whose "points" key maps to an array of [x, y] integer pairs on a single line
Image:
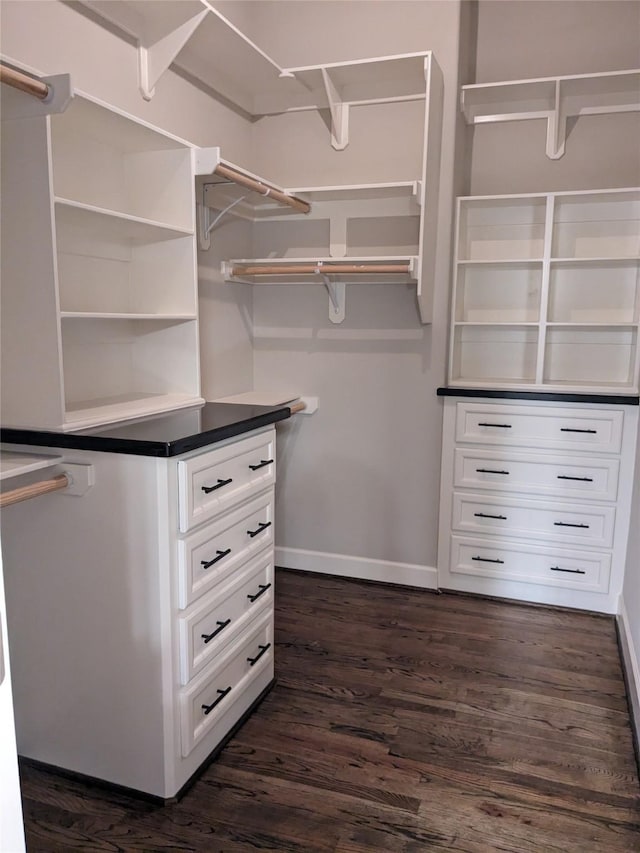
{"points": [[23, 493], [30, 85], [318, 267], [264, 189], [298, 406]]}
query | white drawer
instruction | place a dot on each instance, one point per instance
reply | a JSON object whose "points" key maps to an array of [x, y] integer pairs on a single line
{"points": [[539, 474], [584, 570], [210, 625], [209, 555], [213, 482], [213, 694], [571, 523], [597, 430]]}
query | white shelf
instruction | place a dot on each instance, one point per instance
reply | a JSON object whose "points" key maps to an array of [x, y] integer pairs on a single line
{"points": [[15, 464], [554, 99], [84, 414], [569, 321], [115, 226], [101, 315]]}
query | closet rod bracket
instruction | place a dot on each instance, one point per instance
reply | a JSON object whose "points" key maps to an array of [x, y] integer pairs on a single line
{"points": [[337, 291]]}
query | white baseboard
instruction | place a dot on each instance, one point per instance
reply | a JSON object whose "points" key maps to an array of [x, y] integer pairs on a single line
{"points": [[343, 565], [631, 667]]}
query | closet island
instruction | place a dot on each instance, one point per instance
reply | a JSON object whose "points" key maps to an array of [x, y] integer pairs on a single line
{"points": [[141, 619]]}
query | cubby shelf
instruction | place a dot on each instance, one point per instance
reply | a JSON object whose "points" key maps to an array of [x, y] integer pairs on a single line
{"points": [[566, 319], [112, 202]]}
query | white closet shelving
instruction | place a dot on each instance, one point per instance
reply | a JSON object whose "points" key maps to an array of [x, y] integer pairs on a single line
{"points": [[195, 37], [198, 39], [100, 207], [554, 99], [546, 293], [384, 232], [367, 234]]}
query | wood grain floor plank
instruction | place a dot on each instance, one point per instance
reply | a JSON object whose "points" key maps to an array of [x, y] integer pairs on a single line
{"points": [[401, 721]]}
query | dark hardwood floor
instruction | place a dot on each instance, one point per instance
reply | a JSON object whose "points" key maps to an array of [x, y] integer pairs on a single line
{"points": [[401, 721]]}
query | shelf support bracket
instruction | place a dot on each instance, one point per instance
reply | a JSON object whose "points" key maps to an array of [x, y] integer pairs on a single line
{"points": [[155, 55], [337, 291], [339, 113], [556, 128]]}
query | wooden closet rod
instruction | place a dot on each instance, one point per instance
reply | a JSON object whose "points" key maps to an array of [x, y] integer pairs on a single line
{"points": [[23, 493], [238, 177], [21, 81], [298, 406], [318, 267]]}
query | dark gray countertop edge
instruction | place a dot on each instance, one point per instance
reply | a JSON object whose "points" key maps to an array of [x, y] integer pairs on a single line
{"points": [[553, 396], [135, 447]]}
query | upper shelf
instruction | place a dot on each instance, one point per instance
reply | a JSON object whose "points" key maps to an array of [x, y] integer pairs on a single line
{"points": [[552, 98], [195, 36]]}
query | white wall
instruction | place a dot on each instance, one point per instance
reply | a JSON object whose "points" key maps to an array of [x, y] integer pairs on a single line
{"points": [[360, 478]]}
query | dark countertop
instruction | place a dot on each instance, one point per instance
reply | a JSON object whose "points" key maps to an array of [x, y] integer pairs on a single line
{"points": [[163, 435], [553, 396]]}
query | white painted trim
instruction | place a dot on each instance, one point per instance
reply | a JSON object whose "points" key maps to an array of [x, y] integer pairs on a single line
{"points": [[343, 565], [631, 666]]}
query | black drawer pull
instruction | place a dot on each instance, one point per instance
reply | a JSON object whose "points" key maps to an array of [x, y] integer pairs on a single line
{"points": [[262, 526], [568, 571], [571, 429], [218, 485], [489, 471], [209, 708], [263, 649], [497, 426], [568, 524], [262, 587], [263, 462], [580, 479], [208, 563], [486, 560], [221, 626], [486, 515]]}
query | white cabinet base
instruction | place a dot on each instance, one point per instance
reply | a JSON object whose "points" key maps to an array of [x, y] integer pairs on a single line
{"points": [[94, 617], [534, 500]]}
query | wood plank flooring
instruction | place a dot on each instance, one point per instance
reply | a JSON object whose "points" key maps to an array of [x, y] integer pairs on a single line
{"points": [[401, 721]]}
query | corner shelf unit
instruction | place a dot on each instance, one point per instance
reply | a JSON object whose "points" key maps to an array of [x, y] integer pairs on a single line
{"points": [[546, 292], [554, 99], [99, 311]]}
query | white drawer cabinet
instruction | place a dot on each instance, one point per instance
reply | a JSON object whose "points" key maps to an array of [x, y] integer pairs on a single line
{"points": [[220, 616], [537, 473], [535, 500], [214, 552], [553, 428], [213, 696], [212, 482], [145, 623]]}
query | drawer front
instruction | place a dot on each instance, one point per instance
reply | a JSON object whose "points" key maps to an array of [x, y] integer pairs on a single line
{"points": [[212, 695], [220, 617], [588, 571], [208, 556], [571, 523], [540, 474], [213, 482], [540, 426]]}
